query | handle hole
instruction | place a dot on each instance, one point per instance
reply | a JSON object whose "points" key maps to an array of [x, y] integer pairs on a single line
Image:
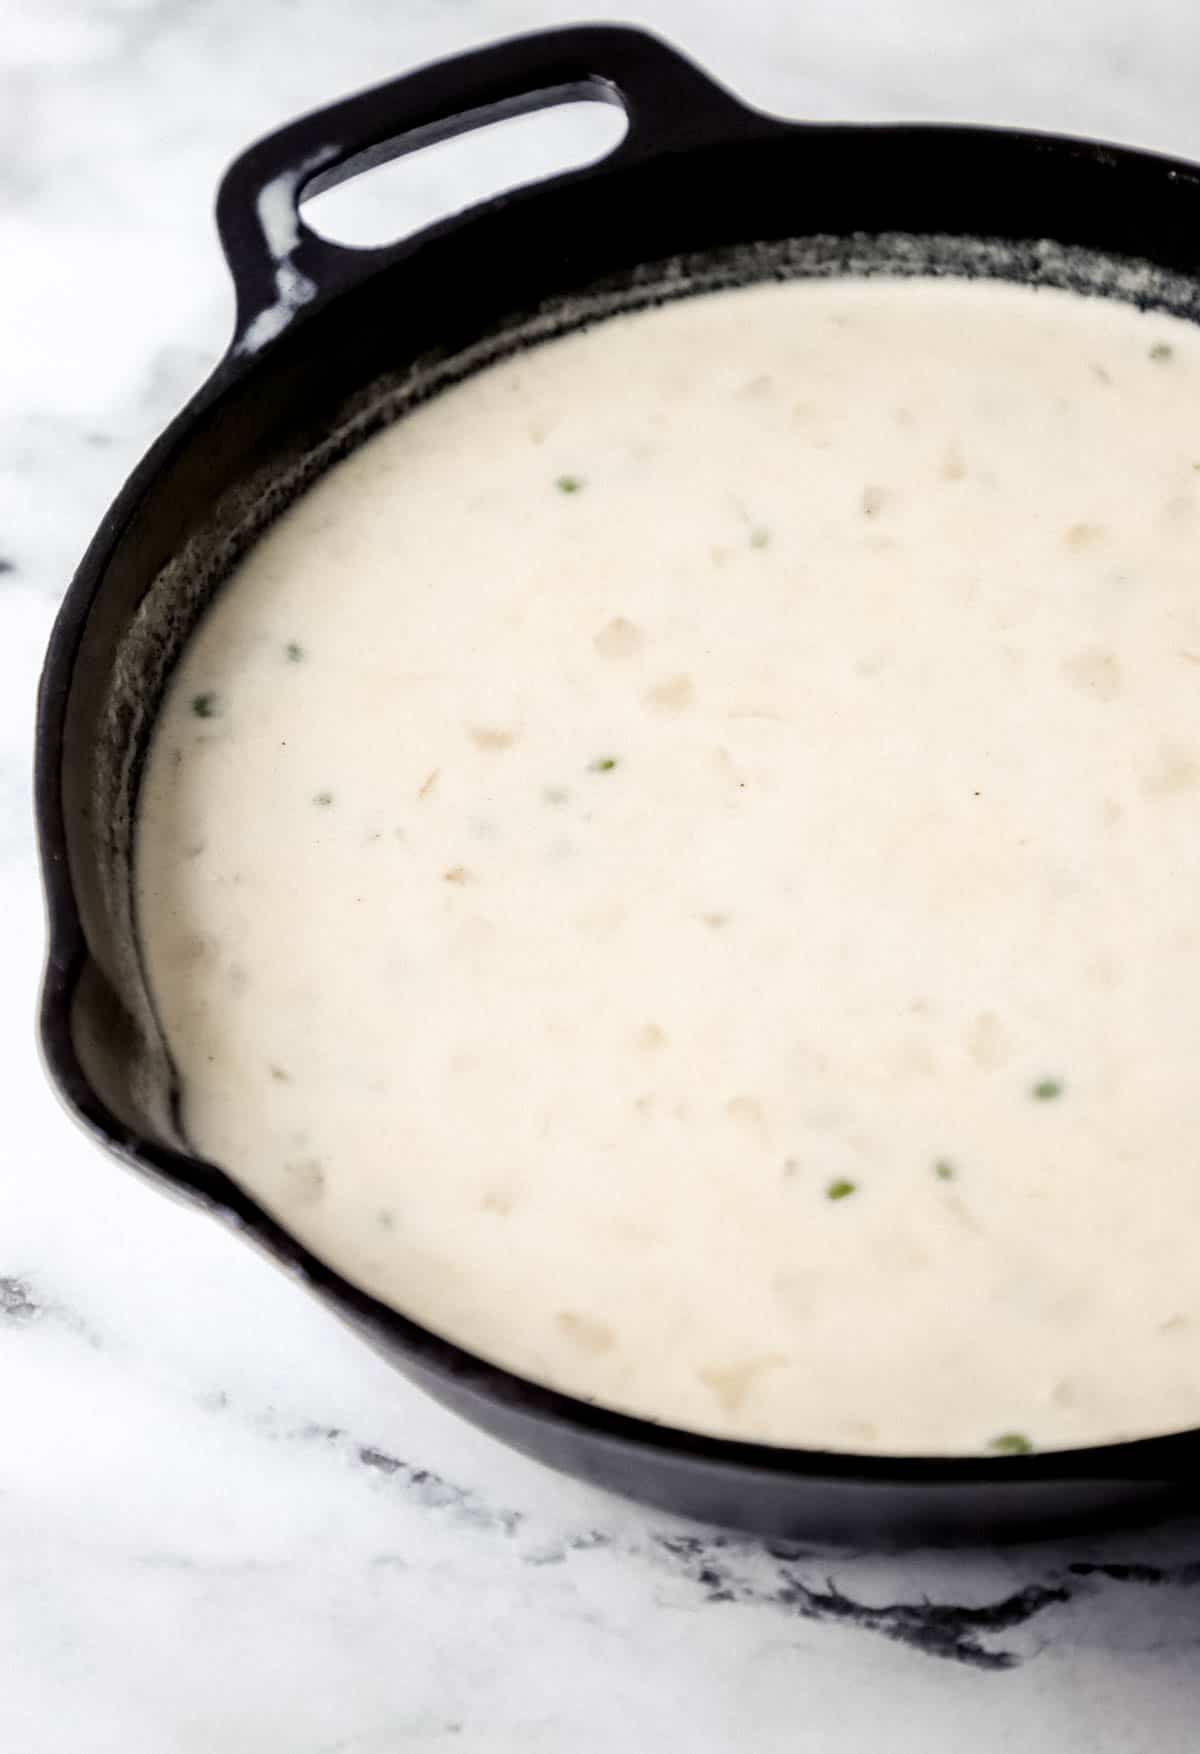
{"points": [[381, 202]]}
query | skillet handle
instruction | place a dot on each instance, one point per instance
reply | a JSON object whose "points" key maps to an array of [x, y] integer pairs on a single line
{"points": [[279, 265]]}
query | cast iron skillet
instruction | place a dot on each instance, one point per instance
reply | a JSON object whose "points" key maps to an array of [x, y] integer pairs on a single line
{"points": [[699, 181]]}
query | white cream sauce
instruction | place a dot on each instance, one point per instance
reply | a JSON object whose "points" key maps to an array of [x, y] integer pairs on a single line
{"points": [[678, 866]]}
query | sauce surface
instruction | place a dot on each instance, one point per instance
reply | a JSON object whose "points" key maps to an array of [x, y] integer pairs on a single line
{"points": [[676, 866]]}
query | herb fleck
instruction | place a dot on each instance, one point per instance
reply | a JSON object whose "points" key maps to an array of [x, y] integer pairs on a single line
{"points": [[602, 764], [943, 1170], [569, 483], [759, 536], [1161, 352], [279, 1074], [205, 705], [1011, 1443], [1046, 1090], [294, 651], [840, 1189], [324, 799]]}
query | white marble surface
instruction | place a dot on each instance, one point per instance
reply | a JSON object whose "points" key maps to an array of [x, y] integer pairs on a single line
{"points": [[223, 1524]]}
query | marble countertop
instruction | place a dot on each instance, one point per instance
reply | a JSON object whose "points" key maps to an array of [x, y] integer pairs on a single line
{"points": [[223, 1523]]}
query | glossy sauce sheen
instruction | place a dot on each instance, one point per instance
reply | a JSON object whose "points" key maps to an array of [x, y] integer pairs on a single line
{"points": [[677, 867]]}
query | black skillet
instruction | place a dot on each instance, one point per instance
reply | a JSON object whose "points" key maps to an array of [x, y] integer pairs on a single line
{"points": [[331, 343]]}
